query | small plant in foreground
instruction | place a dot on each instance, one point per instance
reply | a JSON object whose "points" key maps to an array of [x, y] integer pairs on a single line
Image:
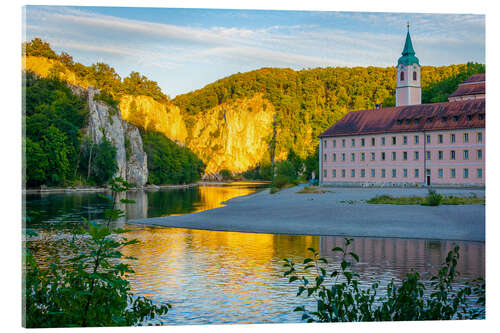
{"points": [[90, 288], [340, 298]]}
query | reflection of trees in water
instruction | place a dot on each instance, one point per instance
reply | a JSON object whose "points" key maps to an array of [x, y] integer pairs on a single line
{"points": [[395, 257], [175, 201]]}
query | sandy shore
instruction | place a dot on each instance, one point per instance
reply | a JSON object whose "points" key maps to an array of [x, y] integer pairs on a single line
{"points": [[339, 213]]}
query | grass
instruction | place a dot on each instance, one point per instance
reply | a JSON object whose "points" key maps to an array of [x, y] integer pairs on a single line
{"points": [[311, 189], [427, 201]]}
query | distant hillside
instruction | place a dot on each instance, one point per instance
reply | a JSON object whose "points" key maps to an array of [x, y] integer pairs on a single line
{"points": [[241, 121]]}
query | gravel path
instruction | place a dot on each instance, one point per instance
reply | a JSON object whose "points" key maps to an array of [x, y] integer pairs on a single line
{"points": [[339, 213]]}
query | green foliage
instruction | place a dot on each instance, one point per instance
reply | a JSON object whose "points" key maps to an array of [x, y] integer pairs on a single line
{"points": [[169, 163], [100, 158], [38, 48], [226, 174], [262, 171], [107, 98], [137, 84], [90, 287], [433, 198], [53, 118], [340, 297]]}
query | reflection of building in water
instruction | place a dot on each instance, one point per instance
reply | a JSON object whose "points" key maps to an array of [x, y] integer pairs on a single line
{"points": [[399, 256]]}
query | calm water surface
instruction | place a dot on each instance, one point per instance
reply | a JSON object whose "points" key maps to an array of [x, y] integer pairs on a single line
{"points": [[230, 277]]}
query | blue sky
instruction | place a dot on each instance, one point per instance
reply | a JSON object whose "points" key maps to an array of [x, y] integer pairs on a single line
{"points": [[185, 49]]}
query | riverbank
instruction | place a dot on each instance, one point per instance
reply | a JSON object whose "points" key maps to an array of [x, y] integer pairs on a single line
{"points": [[341, 212]]}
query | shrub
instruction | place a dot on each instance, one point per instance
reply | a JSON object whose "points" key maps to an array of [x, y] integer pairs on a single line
{"points": [[433, 198], [226, 174], [340, 298], [90, 288]]}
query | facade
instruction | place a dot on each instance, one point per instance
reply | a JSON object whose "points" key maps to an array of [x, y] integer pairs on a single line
{"points": [[411, 144]]}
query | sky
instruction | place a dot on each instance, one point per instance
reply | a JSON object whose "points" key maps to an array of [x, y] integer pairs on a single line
{"points": [[186, 49]]}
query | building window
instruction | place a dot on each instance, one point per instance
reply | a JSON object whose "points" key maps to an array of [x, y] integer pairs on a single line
{"points": [[334, 173], [479, 154], [416, 139], [324, 173], [362, 142], [372, 173], [373, 142], [343, 142], [352, 157], [343, 173], [405, 173], [414, 76], [479, 137], [479, 173], [466, 173], [383, 173], [393, 140], [373, 156], [416, 173], [428, 138], [324, 157], [405, 140], [466, 137], [416, 156], [440, 138], [343, 156], [353, 173], [353, 142], [466, 154], [440, 173], [362, 156], [393, 173], [405, 155], [452, 155], [481, 116], [334, 157], [362, 173], [453, 173], [440, 155], [382, 156], [469, 117], [428, 155], [452, 138], [334, 143], [383, 141], [402, 76], [324, 143], [393, 155]]}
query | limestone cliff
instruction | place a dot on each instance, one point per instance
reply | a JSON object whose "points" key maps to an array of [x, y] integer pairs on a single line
{"points": [[105, 121]]}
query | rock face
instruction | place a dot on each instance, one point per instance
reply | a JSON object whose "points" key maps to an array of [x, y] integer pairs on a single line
{"points": [[107, 122]]}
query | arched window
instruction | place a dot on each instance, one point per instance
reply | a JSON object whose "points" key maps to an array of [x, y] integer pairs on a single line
{"points": [[402, 76], [414, 75]]}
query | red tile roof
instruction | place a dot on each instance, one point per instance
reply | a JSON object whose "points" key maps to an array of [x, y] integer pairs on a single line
{"points": [[474, 85], [411, 118]]}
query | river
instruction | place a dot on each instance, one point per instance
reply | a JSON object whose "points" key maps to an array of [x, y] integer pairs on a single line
{"points": [[213, 277]]}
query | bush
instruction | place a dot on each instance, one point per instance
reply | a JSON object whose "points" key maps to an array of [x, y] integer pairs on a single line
{"points": [[101, 159], [433, 198], [90, 288], [340, 298], [226, 174]]}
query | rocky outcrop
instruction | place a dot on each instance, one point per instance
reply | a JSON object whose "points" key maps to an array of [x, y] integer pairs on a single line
{"points": [[105, 121]]}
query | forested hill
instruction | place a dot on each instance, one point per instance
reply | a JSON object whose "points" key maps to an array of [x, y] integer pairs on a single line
{"points": [[241, 121]]}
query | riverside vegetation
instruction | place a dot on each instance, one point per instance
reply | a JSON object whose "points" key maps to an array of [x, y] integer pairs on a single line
{"points": [[340, 297], [89, 287], [247, 121], [432, 199]]}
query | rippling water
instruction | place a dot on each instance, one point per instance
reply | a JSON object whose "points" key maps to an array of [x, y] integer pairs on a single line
{"points": [[213, 277]]}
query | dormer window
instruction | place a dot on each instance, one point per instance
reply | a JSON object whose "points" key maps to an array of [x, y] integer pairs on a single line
{"points": [[408, 121], [456, 118], [481, 116], [402, 76], [417, 120], [400, 121], [469, 117], [444, 119], [429, 119]]}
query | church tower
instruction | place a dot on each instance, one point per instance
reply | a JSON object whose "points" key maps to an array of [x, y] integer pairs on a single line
{"points": [[408, 90]]}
